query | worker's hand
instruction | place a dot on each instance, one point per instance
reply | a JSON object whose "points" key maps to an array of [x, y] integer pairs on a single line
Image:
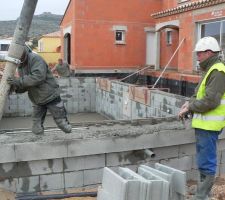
{"points": [[184, 110], [13, 81]]}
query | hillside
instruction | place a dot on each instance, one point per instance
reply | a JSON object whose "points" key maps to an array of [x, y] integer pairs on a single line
{"points": [[41, 24]]}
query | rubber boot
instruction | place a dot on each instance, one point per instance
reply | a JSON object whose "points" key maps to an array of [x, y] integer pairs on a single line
{"points": [[37, 127], [204, 187], [64, 125]]}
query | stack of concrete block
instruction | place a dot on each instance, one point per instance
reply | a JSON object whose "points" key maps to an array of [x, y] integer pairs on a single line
{"points": [[159, 183]]}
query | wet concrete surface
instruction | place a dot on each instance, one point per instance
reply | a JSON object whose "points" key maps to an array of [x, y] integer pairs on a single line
{"points": [[89, 130], [26, 122]]}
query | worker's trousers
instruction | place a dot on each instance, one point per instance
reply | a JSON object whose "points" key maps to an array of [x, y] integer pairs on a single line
{"points": [[57, 109], [206, 142]]}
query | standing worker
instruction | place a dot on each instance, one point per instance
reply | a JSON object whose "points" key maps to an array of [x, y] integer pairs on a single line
{"points": [[208, 108], [43, 91], [62, 68]]}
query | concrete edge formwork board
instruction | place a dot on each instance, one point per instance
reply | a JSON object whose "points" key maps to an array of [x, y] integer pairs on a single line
{"points": [[141, 191], [178, 178], [16, 48], [159, 189]]}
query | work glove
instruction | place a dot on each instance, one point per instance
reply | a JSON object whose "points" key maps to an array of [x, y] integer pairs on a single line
{"points": [[13, 81]]}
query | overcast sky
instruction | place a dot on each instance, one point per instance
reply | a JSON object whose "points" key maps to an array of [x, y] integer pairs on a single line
{"points": [[10, 9]]}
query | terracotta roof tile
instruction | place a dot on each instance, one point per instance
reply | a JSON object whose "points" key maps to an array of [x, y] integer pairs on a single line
{"points": [[187, 7]]}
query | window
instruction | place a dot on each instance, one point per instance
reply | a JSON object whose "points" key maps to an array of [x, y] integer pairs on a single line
{"points": [[120, 37], [120, 33], [214, 29], [40, 46], [4, 47], [168, 37]]}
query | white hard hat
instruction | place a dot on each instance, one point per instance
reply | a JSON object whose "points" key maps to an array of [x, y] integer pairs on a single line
{"points": [[207, 43]]}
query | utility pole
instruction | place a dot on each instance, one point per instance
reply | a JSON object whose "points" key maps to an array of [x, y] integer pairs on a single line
{"points": [[16, 48]]}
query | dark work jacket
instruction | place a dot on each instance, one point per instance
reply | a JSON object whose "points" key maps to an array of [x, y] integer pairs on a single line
{"points": [[36, 78]]}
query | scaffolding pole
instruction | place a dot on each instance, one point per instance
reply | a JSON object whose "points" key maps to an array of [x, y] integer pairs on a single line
{"points": [[135, 73], [168, 64]]}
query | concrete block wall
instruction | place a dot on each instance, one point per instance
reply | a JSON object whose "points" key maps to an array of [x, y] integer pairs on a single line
{"points": [[114, 99], [120, 103], [72, 163], [78, 95]]}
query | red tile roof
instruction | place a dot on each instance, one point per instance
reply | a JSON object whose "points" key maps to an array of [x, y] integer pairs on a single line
{"points": [[187, 7]]}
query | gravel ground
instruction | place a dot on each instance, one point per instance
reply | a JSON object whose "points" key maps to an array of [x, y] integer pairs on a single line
{"points": [[218, 190]]}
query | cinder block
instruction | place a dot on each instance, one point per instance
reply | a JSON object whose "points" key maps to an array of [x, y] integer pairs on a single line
{"points": [[6, 168], [7, 152], [84, 162], [122, 189], [46, 166], [40, 151], [74, 179], [52, 182], [187, 149], [223, 157], [28, 184], [93, 176], [9, 184], [165, 153], [192, 174], [123, 158], [184, 163], [221, 143], [221, 169]]}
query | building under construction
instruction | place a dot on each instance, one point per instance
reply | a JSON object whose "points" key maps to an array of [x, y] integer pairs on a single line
{"points": [[129, 118]]}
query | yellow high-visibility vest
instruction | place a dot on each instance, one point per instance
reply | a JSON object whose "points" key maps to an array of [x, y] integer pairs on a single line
{"points": [[213, 120]]}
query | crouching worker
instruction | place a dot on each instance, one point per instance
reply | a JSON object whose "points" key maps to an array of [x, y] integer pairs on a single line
{"points": [[36, 78]]}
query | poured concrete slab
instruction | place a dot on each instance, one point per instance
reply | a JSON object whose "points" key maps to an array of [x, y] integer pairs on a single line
{"points": [[26, 122]]}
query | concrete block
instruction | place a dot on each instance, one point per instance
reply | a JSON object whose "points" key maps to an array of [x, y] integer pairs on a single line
{"points": [[9, 184], [122, 189], [84, 162], [28, 184], [187, 149], [7, 152], [221, 143], [140, 188], [92, 177], [192, 174], [74, 179], [40, 151], [46, 166], [222, 157], [52, 182], [165, 153], [157, 188], [123, 158], [183, 163], [178, 178]]}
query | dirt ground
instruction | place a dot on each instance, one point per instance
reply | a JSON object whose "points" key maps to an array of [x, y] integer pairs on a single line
{"points": [[218, 190]]}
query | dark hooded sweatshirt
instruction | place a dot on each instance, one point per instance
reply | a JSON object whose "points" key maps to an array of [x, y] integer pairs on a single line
{"points": [[36, 78]]}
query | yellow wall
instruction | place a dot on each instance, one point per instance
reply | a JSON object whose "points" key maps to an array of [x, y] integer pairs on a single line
{"points": [[50, 44], [50, 58], [49, 50]]}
